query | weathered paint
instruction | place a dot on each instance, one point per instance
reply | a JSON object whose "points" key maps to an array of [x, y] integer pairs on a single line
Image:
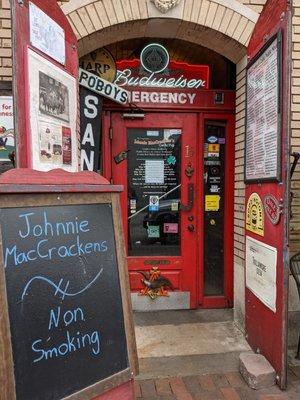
{"points": [[266, 330]]}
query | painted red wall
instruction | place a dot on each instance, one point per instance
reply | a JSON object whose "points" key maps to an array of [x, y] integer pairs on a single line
{"points": [[266, 330]]}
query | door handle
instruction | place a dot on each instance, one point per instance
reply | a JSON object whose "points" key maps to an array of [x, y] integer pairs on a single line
{"points": [[191, 227], [190, 203]]}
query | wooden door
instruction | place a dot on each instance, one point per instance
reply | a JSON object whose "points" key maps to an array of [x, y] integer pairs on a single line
{"points": [[155, 159]]}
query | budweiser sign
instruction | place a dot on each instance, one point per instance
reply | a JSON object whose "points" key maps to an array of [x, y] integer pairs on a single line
{"points": [[177, 76]]}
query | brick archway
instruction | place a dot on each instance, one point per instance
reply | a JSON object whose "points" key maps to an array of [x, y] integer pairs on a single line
{"points": [[224, 26]]}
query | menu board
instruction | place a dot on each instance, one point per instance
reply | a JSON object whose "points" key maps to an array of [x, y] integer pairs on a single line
{"points": [[153, 191], [262, 151], [154, 162], [64, 299]]}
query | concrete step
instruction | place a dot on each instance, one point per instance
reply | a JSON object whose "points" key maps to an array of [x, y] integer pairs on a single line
{"points": [[164, 367], [183, 343], [257, 371]]}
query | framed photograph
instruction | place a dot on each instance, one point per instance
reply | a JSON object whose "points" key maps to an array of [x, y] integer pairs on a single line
{"points": [[53, 97], [52, 92], [263, 114]]}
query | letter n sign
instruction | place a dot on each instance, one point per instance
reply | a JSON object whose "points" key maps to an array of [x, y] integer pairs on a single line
{"points": [[90, 129]]}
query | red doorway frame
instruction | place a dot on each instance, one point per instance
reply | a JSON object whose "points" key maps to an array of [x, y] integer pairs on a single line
{"points": [[205, 110], [227, 299]]}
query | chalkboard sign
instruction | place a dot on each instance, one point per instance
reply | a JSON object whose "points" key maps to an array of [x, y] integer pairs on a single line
{"points": [[64, 298]]}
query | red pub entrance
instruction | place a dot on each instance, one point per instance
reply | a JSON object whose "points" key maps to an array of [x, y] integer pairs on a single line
{"points": [[173, 150]]}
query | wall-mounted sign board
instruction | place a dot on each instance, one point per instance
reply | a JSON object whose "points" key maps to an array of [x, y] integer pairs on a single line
{"points": [[46, 35], [263, 114], [101, 63], [261, 266], [45, 86], [67, 328], [52, 99]]}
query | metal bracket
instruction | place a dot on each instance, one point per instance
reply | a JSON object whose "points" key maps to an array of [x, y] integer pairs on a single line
{"points": [[189, 171], [293, 167], [121, 156], [295, 162], [190, 204]]}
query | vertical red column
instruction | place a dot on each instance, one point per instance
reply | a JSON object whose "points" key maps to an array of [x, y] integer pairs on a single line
{"points": [[266, 192]]}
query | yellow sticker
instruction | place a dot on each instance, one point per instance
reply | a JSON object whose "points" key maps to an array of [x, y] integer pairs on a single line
{"points": [[214, 148], [255, 215], [212, 202]]}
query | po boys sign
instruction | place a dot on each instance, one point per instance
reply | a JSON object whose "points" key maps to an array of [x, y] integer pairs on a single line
{"points": [[102, 87]]}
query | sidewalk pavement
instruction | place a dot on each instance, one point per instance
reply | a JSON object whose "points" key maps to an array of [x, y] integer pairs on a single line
{"points": [[227, 386]]}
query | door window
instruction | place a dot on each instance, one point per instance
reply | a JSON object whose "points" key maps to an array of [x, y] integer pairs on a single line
{"points": [[214, 193], [153, 191]]}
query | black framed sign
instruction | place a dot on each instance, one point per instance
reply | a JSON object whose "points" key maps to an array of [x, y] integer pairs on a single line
{"points": [[263, 114], [67, 329]]}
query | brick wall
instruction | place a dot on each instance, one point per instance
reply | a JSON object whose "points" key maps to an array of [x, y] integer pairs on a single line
{"points": [[295, 125], [5, 33], [256, 5], [5, 41], [239, 196], [295, 146]]}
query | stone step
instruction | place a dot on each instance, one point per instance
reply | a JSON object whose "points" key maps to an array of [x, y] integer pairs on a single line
{"points": [[256, 370], [163, 367]]}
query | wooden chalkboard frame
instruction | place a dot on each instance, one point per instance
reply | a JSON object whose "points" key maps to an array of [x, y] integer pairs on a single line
{"points": [[64, 195]]}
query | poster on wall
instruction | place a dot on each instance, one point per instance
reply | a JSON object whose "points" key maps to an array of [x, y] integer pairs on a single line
{"points": [[53, 107], [263, 150], [255, 215], [7, 137], [261, 264], [46, 35]]}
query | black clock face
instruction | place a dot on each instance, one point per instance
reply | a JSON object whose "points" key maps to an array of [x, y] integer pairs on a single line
{"points": [[154, 58]]}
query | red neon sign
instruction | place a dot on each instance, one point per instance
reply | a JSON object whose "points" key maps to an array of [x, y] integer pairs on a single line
{"points": [[178, 75]]}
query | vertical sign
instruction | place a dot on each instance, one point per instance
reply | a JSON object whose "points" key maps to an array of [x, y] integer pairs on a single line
{"points": [[90, 129]]}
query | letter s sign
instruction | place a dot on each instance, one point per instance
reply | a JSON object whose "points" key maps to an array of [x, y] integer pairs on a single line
{"points": [[91, 110]]}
